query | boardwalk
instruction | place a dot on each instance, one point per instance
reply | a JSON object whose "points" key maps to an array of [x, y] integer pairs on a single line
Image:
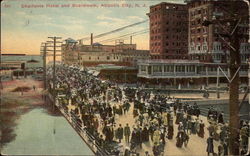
{"points": [[196, 146], [95, 108]]}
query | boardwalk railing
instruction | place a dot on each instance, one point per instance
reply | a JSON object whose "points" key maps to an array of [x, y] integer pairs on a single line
{"points": [[88, 138]]}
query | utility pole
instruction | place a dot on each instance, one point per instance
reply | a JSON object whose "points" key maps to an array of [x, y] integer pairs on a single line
{"points": [[234, 111], [54, 66], [44, 53], [233, 42]]}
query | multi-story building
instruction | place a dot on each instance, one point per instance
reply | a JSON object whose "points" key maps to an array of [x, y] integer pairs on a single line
{"points": [[168, 31], [208, 43], [74, 53], [132, 56]]}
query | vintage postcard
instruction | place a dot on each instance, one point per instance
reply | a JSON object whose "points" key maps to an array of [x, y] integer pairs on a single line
{"points": [[125, 77]]}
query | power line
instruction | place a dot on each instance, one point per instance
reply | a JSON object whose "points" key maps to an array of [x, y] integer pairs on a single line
{"points": [[129, 34], [114, 31]]}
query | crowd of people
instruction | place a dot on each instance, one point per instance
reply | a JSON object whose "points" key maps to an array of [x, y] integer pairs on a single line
{"points": [[97, 104]]}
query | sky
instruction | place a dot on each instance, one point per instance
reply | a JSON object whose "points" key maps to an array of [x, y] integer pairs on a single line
{"points": [[24, 29]]}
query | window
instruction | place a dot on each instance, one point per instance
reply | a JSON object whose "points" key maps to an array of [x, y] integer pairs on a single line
{"points": [[143, 68], [199, 21], [108, 57], [157, 68], [180, 68]]}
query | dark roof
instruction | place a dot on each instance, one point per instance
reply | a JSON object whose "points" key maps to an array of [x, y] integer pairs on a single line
{"points": [[70, 40], [32, 61], [97, 44]]}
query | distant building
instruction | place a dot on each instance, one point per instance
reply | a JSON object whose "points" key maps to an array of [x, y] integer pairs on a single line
{"points": [[133, 56], [205, 43], [16, 61], [168, 31], [21, 64], [91, 55]]}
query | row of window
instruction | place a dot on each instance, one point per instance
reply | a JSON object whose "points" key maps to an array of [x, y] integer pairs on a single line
{"points": [[167, 37], [178, 23], [198, 12], [174, 30], [167, 51], [199, 48], [170, 68], [196, 22], [199, 39], [168, 43], [114, 57], [167, 8], [245, 47], [180, 68], [199, 30], [205, 48]]}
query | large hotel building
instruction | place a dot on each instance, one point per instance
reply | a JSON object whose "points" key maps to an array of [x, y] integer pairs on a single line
{"points": [[182, 49], [168, 31], [208, 43], [176, 30]]}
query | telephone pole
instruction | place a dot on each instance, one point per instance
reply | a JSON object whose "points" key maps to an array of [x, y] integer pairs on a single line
{"points": [[54, 64], [232, 37], [44, 53]]}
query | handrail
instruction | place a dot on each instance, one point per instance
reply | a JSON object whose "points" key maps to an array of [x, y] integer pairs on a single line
{"points": [[83, 133]]}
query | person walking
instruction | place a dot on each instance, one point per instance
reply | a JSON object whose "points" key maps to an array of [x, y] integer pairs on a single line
{"points": [[156, 137], [127, 133], [170, 129], [210, 145], [119, 133], [201, 130], [133, 139], [145, 134]]}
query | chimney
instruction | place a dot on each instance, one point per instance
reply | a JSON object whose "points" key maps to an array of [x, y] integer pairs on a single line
{"points": [[130, 39], [91, 39]]}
